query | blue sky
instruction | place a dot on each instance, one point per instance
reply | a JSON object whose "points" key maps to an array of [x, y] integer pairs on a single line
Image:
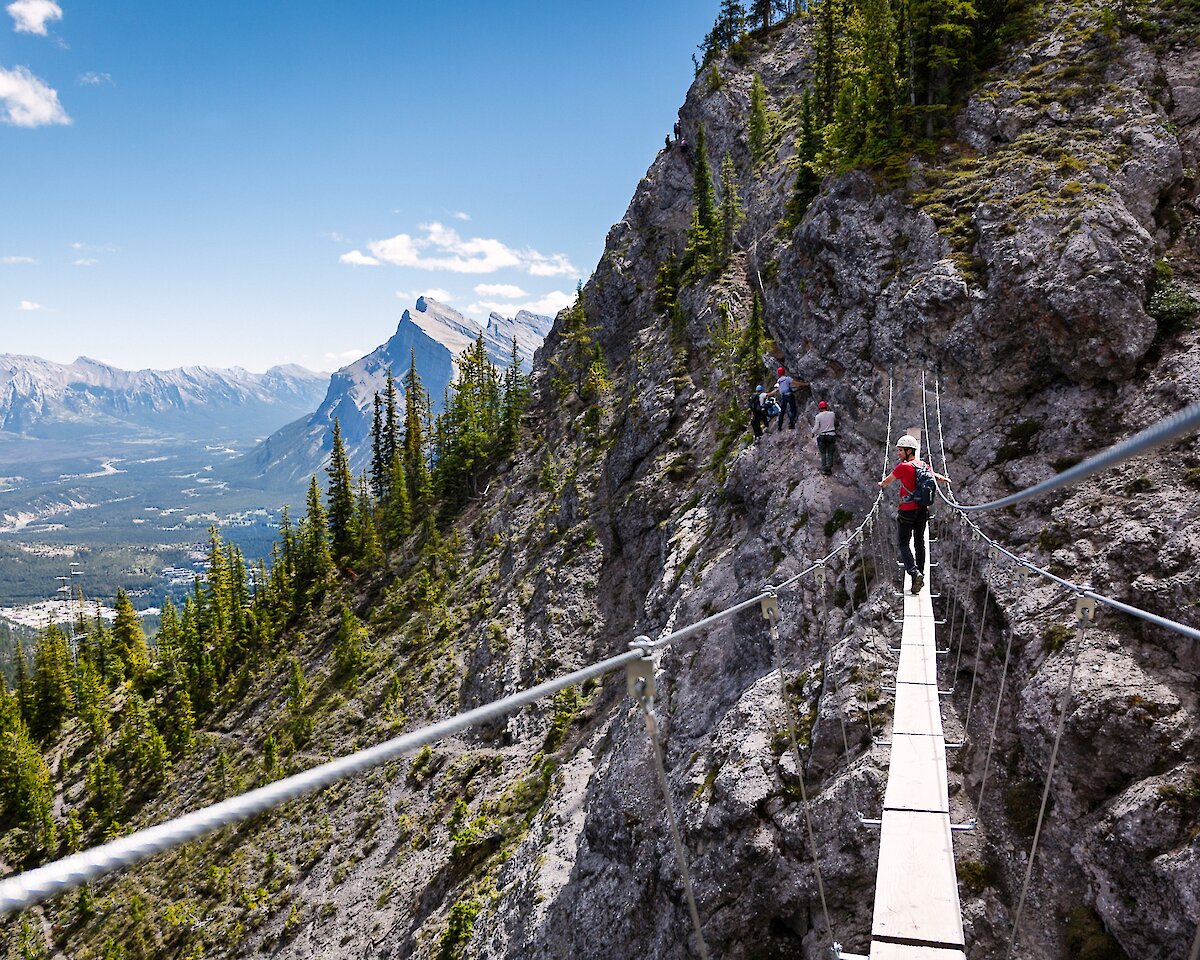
{"points": [[258, 183]]}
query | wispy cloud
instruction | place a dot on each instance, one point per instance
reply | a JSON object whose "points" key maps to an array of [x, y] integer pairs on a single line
{"points": [[91, 79], [433, 293], [85, 262], [509, 291], [459, 215], [93, 247], [441, 248], [15, 260], [358, 259], [345, 356], [31, 16], [547, 305], [30, 307], [25, 101]]}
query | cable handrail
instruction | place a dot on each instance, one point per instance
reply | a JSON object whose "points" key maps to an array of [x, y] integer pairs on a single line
{"points": [[1173, 427], [33, 886], [1083, 591]]}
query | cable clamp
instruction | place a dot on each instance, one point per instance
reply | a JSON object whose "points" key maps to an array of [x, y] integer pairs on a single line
{"points": [[974, 533], [993, 553], [820, 573], [1085, 611], [639, 678], [770, 605]]}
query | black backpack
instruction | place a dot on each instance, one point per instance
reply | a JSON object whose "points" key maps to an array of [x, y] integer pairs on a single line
{"points": [[925, 491]]}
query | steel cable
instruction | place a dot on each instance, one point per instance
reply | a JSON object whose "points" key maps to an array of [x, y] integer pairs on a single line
{"points": [[647, 704], [987, 596], [771, 611], [1084, 615]]}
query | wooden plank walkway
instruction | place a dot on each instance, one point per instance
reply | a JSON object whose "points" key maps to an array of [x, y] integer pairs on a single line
{"points": [[917, 912]]}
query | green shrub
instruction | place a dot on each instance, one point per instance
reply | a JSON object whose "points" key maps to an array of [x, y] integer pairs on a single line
{"points": [[975, 877], [1087, 938], [839, 520], [458, 929]]}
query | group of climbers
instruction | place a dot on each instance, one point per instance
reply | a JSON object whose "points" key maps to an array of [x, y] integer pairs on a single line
{"points": [[916, 478], [780, 403]]}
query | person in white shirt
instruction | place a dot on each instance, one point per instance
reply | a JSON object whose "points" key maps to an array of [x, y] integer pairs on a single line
{"points": [[825, 430]]}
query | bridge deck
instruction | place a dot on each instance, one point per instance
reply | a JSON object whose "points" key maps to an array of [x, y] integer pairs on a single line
{"points": [[917, 912]]}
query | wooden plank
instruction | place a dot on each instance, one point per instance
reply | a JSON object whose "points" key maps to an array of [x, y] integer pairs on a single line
{"points": [[901, 951], [916, 890], [918, 664], [917, 710], [917, 775]]}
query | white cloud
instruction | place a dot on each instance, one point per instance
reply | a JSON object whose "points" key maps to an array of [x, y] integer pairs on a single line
{"points": [[433, 293], [29, 306], [441, 248], [556, 265], [15, 260], [547, 305], [358, 259], [459, 215], [92, 79], [31, 16], [25, 101], [346, 356], [509, 291], [86, 262], [93, 247]]}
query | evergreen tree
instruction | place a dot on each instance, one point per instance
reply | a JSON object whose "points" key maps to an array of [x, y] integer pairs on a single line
{"points": [[379, 462], [300, 723], [703, 241], [27, 799], [391, 417], [53, 691], [731, 21], [128, 639], [397, 510], [340, 496], [349, 646], [142, 745], [808, 182], [512, 406], [366, 547], [762, 12], [760, 120], [313, 561], [732, 216], [416, 463], [751, 349]]}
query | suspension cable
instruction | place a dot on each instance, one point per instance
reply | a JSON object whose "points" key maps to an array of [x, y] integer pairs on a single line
{"points": [[1085, 613], [644, 693], [995, 725], [987, 596], [28, 888], [1173, 427], [1082, 591], [770, 607]]}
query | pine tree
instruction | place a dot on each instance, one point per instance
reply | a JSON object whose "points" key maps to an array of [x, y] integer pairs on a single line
{"points": [[397, 510], [379, 462], [53, 691], [732, 215], [366, 549], [349, 651], [128, 640], [391, 415], [512, 405], [416, 463], [300, 723], [808, 183], [762, 12], [704, 234], [313, 561], [731, 21], [751, 349], [28, 797], [340, 496]]}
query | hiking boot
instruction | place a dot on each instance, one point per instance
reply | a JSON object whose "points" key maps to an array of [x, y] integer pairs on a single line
{"points": [[918, 581]]}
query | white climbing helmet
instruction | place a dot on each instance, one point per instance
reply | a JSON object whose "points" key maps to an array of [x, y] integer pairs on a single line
{"points": [[908, 441]]}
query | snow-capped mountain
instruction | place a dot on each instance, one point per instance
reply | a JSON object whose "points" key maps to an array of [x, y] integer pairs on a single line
{"points": [[39, 398], [432, 335]]}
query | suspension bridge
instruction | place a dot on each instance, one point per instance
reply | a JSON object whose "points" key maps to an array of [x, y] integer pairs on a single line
{"points": [[917, 915]]}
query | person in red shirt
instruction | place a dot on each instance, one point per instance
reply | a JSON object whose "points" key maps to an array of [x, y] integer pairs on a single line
{"points": [[912, 516]]}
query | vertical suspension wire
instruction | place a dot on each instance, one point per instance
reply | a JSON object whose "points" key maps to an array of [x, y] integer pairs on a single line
{"points": [[953, 583], [995, 725], [646, 701], [987, 596], [963, 626], [771, 612], [862, 565], [1195, 954], [1085, 614]]}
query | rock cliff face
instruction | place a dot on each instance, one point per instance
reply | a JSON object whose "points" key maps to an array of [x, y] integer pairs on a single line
{"points": [[1026, 274]]}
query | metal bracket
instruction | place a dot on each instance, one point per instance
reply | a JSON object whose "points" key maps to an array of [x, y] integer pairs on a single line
{"points": [[820, 574], [974, 533], [639, 675], [960, 827], [1085, 611], [864, 822], [993, 553], [770, 605]]}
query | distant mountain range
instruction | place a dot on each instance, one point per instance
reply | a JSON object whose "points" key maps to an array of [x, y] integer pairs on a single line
{"points": [[434, 335], [89, 399]]}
